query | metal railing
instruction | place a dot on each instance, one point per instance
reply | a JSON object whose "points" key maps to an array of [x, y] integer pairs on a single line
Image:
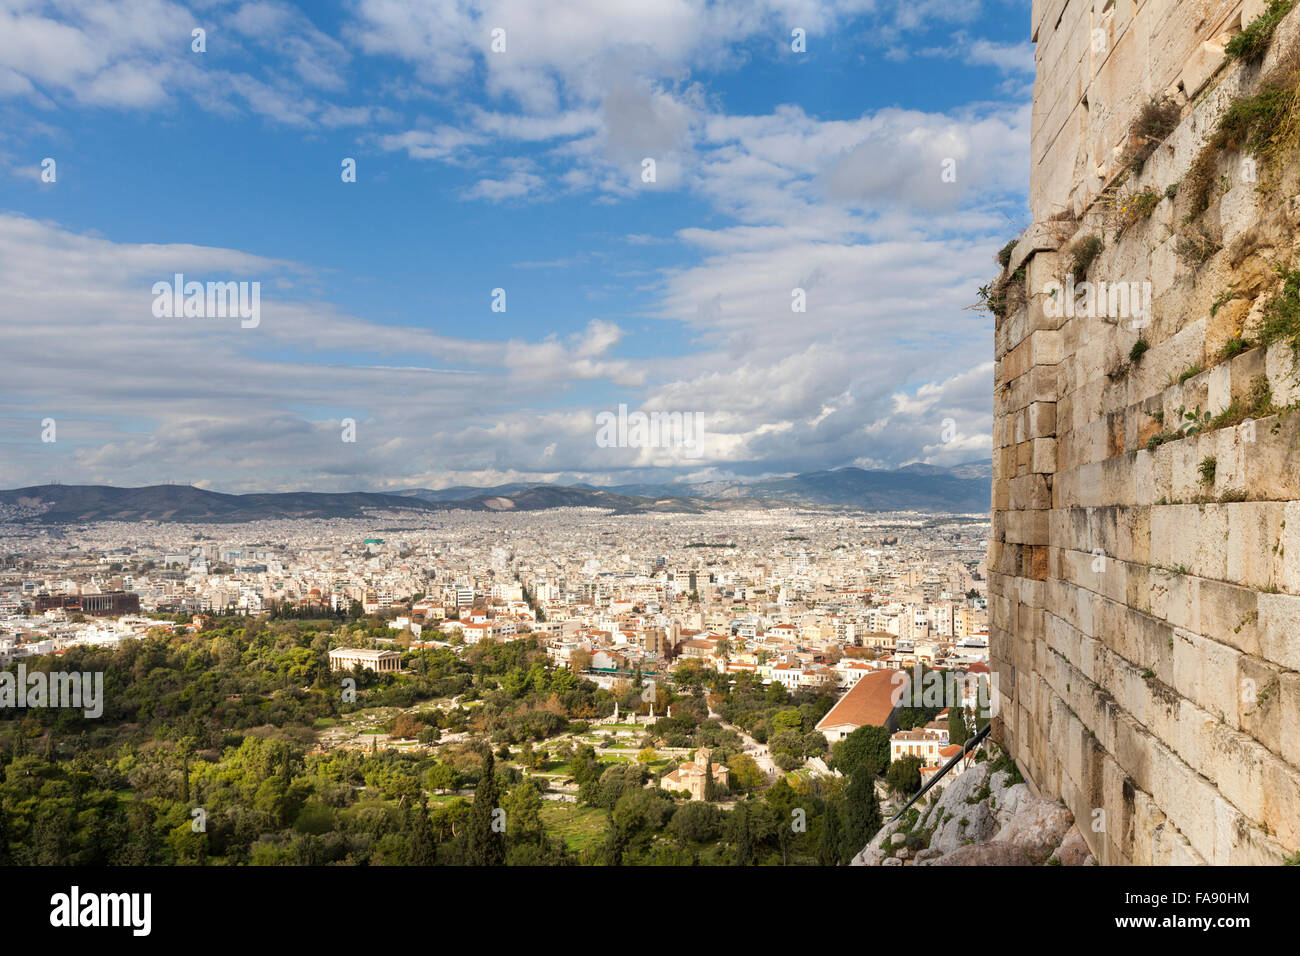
{"points": [[966, 748]]}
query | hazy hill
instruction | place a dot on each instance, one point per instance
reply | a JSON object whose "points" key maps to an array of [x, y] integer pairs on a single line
{"points": [[912, 488], [75, 503]]}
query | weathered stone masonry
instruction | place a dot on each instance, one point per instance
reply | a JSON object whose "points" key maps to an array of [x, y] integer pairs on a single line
{"points": [[1145, 620]]}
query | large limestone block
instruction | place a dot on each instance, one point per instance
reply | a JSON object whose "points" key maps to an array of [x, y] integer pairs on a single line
{"points": [[1280, 367], [1187, 797], [1220, 387], [1254, 536], [1227, 612], [1250, 11], [1288, 730], [1043, 456], [1281, 798], [1279, 625], [1238, 766], [1030, 492], [1269, 466], [1259, 702], [1040, 420], [1238, 208], [1040, 237], [1200, 67], [1157, 842], [1213, 558], [1205, 672], [1133, 754], [1289, 547]]}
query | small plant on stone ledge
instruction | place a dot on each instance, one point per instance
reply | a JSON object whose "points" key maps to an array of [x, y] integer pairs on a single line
{"points": [[1193, 421], [1158, 118], [1266, 124], [1004, 295], [1135, 207], [1004, 254], [1138, 350], [1254, 123], [1281, 320], [1004, 763], [1199, 182], [1084, 253], [1253, 41], [1196, 247], [1206, 469], [1231, 349], [991, 300], [1256, 403], [1158, 439]]}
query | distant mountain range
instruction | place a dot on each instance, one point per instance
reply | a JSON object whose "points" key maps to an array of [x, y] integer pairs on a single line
{"points": [[77, 503], [963, 489]]}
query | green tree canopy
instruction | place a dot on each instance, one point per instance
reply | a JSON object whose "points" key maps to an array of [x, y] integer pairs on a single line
{"points": [[484, 844], [958, 732], [867, 748], [904, 775]]}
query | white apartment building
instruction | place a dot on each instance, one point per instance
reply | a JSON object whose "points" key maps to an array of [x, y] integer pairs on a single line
{"points": [[849, 672], [925, 744]]}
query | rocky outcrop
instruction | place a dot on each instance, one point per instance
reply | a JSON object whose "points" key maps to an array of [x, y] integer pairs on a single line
{"points": [[983, 818], [984, 854]]}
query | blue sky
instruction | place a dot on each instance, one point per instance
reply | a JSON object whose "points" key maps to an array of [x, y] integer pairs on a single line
{"points": [[519, 169]]}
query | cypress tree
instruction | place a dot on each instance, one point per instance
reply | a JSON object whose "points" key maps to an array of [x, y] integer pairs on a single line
{"points": [[483, 845], [615, 843], [982, 713], [828, 850], [744, 838], [862, 813], [422, 846], [957, 730], [5, 858]]}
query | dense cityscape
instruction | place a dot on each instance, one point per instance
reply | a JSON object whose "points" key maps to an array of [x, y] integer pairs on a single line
{"points": [[594, 661]]}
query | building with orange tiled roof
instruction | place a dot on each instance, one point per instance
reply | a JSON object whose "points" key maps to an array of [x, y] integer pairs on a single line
{"points": [[870, 702]]}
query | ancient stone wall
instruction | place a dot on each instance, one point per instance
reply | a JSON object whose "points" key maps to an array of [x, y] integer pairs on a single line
{"points": [[1145, 558]]}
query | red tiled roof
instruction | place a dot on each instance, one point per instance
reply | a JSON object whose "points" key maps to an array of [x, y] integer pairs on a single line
{"points": [[869, 702]]}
